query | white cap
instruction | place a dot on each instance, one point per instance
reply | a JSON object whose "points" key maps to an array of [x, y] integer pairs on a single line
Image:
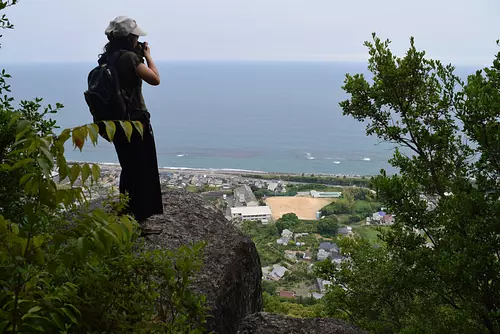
{"points": [[123, 26]]}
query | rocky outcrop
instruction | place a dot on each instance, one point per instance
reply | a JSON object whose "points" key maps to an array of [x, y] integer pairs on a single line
{"points": [[231, 276], [266, 323]]}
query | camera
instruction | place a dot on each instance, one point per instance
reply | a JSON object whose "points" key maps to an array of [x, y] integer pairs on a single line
{"points": [[140, 48]]}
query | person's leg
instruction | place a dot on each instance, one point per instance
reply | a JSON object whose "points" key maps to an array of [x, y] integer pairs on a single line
{"points": [[125, 157], [140, 177]]}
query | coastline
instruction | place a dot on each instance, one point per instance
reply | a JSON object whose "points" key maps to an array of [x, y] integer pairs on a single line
{"points": [[229, 171]]}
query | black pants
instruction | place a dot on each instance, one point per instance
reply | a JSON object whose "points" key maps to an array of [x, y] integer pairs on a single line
{"points": [[139, 177]]}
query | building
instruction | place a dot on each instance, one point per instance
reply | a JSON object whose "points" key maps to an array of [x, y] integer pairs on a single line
{"points": [[322, 255], [324, 194], [345, 231], [328, 247], [253, 213], [244, 196], [287, 294], [287, 234], [272, 186], [278, 272], [322, 284]]}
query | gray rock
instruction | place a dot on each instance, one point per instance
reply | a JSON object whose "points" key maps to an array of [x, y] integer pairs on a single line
{"points": [[231, 276], [266, 323]]}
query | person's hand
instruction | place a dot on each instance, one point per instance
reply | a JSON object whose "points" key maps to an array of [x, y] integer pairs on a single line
{"points": [[147, 50]]}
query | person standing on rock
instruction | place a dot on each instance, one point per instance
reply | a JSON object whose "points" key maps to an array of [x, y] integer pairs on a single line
{"points": [[139, 177]]}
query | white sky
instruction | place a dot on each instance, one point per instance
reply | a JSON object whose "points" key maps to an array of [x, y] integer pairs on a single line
{"points": [[457, 31]]}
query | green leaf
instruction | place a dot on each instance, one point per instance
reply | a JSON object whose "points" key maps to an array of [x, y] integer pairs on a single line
{"points": [[127, 127], [81, 246], [74, 172], [85, 173], [42, 162], [15, 228], [47, 154], [96, 172], [110, 129], [3, 326], [34, 309], [22, 127], [93, 133], [139, 127], [22, 163], [70, 315], [63, 167], [58, 320], [64, 136]]}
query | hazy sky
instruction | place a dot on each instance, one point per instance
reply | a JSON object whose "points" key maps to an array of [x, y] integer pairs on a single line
{"points": [[457, 31]]}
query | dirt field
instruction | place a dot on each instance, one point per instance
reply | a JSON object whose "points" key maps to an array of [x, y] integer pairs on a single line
{"points": [[304, 207]]}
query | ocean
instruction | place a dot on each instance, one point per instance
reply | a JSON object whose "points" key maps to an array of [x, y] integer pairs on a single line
{"points": [[264, 116]]}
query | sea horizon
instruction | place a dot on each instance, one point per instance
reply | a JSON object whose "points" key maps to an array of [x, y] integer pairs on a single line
{"points": [[275, 117]]}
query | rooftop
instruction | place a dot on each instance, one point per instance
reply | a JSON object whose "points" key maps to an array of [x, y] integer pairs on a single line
{"points": [[247, 193], [251, 210]]}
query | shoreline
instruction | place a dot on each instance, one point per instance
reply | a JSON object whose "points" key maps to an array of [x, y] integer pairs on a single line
{"points": [[229, 171]]}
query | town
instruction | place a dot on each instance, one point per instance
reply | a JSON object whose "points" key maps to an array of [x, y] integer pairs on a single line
{"points": [[256, 205]]}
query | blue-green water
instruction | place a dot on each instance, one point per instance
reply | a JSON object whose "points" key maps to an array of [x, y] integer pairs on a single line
{"points": [[277, 117]]}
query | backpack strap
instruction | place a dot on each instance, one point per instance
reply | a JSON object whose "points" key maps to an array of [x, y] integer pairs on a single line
{"points": [[115, 56]]}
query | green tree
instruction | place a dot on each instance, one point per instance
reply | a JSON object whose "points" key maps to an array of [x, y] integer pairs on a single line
{"points": [[269, 287], [328, 226], [287, 221], [440, 263], [340, 206]]}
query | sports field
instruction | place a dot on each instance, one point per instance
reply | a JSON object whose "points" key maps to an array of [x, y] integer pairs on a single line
{"points": [[304, 207]]}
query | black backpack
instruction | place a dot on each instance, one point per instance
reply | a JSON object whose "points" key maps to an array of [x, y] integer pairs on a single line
{"points": [[105, 98]]}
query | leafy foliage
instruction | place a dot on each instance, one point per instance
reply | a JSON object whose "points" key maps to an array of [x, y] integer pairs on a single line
{"points": [[438, 270], [287, 221], [64, 267], [328, 226], [291, 307]]}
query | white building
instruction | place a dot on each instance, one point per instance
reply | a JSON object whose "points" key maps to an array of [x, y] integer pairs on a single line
{"points": [[244, 196], [254, 213], [323, 194], [272, 186]]}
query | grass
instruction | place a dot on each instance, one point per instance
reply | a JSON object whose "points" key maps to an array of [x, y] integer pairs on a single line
{"points": [[192, 188], [370, 232]]}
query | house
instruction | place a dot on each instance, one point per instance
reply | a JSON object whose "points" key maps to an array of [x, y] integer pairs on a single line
{"points": [[345, 231], [322, 255], [377, 216], [298, 235], [336, 257], [287, 234], [322, 284], [387, 220], [283, 241], [278, 272], [307, 256], [328, 246], [287, 294], [252, 213], [272, 186]]}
